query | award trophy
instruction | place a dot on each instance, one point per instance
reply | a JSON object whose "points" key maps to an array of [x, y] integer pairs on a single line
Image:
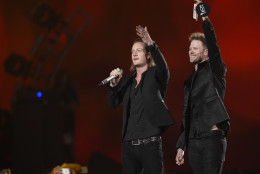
{"points": [[201, 9]]}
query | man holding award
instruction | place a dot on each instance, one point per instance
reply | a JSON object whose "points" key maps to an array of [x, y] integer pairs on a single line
{"points": [[205, 120]]}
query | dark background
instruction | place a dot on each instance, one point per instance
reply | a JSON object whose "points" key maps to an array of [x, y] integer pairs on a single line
{"points": [[106, 43]]}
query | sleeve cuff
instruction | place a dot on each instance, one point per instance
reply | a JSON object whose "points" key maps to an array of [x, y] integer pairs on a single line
{"points": [[150, 48], [112, 88]]}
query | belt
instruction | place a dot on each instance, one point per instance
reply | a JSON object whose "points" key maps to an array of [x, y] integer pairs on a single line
{"points": [[212, 133], [138, 142]]}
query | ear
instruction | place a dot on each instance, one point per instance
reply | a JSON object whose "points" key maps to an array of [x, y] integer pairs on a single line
{"points": [[149, 55], [206, 52]]}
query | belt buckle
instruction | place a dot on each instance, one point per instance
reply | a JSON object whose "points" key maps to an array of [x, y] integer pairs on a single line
{"points": [[136, 144], [153, 138]]}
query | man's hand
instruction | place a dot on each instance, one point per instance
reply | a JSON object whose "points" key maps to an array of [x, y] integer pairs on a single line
{"points": [[180, 157], [115, 72], [143, 33], [204, 18], [199, 1]]}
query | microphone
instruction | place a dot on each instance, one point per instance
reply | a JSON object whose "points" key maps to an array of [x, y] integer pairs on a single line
{"points": [[105, 81]]}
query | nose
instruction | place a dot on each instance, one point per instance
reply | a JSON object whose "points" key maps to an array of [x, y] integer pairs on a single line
{"points": [[134, 53]]}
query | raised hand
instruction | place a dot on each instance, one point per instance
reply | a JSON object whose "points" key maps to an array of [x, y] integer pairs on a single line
{"points": [[143, 33], [198, 1]]}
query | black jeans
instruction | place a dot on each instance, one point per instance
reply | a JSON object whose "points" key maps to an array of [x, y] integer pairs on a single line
{"points": [[207, 155], [145, 157]]}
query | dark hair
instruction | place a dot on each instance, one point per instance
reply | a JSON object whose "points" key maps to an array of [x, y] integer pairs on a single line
{"points": [[150, 61], [199, 36]]}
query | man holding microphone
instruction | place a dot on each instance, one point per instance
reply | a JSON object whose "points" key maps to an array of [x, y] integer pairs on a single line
{"points": [[145, 115]]}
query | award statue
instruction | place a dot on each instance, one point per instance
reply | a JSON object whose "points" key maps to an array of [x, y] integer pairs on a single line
{"points": [[200, 9]]}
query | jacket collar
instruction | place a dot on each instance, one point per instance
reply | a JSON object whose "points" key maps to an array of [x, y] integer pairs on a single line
{"points": [[202, 64]]}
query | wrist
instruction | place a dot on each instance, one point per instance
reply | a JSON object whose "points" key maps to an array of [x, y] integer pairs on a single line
{"points": [[150, 43], [182, 151], [204, 18], [112, 85], [179, 149]]}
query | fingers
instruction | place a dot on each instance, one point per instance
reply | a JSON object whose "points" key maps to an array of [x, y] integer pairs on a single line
{"points": [[204, 18], [115, 72], [179, 160], [140, 35], [141, 31], [198, 1], [180, 157]]}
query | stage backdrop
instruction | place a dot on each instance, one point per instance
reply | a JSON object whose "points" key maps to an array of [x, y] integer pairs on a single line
{"points": [[106, 43]]}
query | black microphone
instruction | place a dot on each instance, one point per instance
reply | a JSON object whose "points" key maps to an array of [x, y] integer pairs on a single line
{"points": [[105, 81]]}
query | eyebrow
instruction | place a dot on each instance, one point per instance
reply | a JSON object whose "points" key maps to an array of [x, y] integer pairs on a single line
{"points": [[137, 49]]}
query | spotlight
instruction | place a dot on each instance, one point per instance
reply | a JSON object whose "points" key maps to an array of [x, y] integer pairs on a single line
{"points": [[39, 94], [17, 65], [45, 16]]}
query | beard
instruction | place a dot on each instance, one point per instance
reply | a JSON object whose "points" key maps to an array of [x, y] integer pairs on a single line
{"points": [[197, 60], [139, 65]]}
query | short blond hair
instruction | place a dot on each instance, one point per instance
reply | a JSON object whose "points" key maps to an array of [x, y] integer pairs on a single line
{"points": [[199, 36]]}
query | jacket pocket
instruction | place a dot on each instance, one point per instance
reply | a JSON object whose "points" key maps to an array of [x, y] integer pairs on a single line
{"points": [[211, 98]]}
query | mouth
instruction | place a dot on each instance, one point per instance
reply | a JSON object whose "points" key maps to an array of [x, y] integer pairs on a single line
{"points": [[134, 59], [193, 56]]}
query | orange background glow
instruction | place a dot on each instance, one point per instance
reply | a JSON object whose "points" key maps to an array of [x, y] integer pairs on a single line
{"points": [[106, 43]]}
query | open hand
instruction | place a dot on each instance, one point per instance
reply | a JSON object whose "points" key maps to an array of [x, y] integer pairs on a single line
{"points": [[144, 35]]}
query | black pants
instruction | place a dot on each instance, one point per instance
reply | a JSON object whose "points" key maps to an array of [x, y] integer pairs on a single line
{"points": [[207, 155], [145, 157]]}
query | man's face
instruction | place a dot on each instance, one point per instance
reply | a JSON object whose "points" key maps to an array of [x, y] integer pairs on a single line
{"points": [[139, 55], [197, 52]]}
